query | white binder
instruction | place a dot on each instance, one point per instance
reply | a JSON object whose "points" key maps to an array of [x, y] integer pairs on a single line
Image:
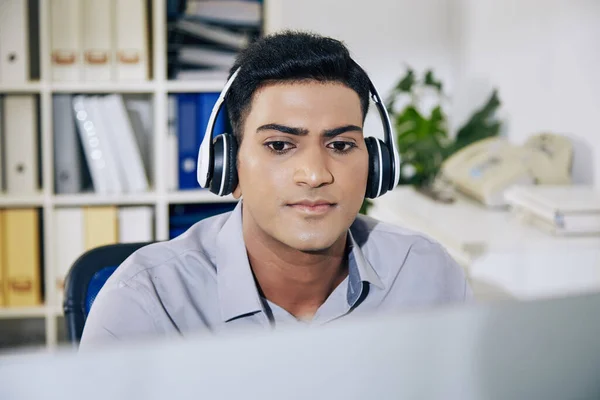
{"points": [[95, 149], [97, 40], [135, 224], [131, 40], [21, 141], [100, 120], [69, 245], [139, 110], [14, 42], [67, 156], [65, 40], [122, 141]]}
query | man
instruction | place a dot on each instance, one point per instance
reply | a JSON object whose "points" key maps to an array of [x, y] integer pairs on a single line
{"points": [[293, 251]]}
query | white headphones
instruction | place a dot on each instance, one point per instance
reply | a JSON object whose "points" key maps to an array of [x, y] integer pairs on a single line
{"points": [[217, 159]]}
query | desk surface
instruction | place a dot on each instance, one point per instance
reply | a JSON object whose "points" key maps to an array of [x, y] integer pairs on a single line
{"points": [[468, 226], [497, 250]]}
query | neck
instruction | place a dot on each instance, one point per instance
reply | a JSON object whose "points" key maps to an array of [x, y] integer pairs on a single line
{"points": [[297, 281]]}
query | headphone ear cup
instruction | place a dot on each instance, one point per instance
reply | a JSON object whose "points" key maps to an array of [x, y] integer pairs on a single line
{"points": [[218, 160], [380, 168], [224, 178], [373, 179], [386, 167], [231, 174]]}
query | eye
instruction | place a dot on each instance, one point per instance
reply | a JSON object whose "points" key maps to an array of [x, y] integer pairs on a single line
{"points": [[341, 147], [279, 146]]}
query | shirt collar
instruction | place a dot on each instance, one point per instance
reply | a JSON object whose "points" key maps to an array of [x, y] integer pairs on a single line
{"points": [[237, 291], [359, 270]]}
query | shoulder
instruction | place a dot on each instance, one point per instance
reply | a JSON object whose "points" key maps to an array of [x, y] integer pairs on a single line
{"points": [[388, 239], [145, 293], [405, 257], [193, 252]]}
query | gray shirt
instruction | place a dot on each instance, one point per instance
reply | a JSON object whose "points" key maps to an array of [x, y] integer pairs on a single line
{"points": [[201, 281]]}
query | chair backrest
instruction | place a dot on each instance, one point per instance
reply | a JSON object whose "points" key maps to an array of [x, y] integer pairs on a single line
{"points": [[85, 279]]}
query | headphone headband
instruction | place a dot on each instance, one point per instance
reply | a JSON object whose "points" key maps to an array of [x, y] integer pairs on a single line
{"points": [[204, 172], [388, 134], [205, 156]]}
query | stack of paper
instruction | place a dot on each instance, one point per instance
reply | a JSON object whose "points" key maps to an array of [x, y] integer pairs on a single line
{"points": [[559, 209], [204, 37]]}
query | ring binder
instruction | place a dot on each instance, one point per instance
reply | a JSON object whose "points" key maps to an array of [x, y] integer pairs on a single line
{"points": [[63, 58], [126, 58], [96, 58]]}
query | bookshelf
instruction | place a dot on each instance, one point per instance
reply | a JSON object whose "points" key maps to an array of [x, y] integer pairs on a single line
{"points": [[22, 312], [109, 87], [159, 197]]}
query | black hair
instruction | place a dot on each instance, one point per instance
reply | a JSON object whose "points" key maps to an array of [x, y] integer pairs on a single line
{"points": [[291, 56]]}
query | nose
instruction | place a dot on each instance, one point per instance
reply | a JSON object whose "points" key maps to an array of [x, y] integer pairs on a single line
{"points": [[313, 169]]}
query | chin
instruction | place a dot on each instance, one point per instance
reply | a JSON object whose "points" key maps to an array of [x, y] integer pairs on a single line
{"points": [[312, 242]]}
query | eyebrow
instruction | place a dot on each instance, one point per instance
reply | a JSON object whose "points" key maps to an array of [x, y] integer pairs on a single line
{"points": [[329, 133]]}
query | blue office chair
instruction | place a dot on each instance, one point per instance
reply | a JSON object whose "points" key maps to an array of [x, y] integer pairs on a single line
{"points": [[85, 279]]}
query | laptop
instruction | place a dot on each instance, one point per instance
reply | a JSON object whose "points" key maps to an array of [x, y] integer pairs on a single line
{"points": [[544, 349]]}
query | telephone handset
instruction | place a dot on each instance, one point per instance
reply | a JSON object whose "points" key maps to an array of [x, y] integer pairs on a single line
{"points": [[551, 158], [473, 152], [486, 168]]}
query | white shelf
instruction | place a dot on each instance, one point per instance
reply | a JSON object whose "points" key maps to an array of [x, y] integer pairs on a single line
{"points": [[30, 312], [30, 87], [159, 198], [55, 311], [209, 85], [85, 199], [22, 312], [7, 200], [102, 87], [197, 196], [195, 86]]}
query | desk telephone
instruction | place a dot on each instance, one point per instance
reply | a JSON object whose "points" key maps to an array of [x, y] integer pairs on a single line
{"points": [[486, 168]]}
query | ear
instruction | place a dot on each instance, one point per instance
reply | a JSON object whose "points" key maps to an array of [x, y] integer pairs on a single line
{"points": [[237, 192]]}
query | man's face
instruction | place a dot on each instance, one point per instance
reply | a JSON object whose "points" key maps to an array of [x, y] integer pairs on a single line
{"points": [[303, 163]]}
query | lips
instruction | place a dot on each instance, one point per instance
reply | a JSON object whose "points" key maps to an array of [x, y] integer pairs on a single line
{"points": [[312, 206]]}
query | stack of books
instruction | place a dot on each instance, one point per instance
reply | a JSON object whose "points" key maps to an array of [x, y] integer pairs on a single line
{"points": [[205, 36], [558, 209]]}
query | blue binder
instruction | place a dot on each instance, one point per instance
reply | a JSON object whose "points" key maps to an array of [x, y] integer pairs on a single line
{"points": [[183, 216], [193, 112]]}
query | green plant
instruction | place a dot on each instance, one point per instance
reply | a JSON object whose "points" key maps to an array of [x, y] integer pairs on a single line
{"points": [[481, 125], [416, 108]]}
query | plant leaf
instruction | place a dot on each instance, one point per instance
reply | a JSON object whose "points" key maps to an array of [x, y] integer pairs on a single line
{"points": [[406, 84], [480, 126], [431, 81]]}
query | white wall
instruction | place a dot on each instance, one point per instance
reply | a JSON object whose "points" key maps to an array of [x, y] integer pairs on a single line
{"points": [[382, 35], [544, 56]]}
